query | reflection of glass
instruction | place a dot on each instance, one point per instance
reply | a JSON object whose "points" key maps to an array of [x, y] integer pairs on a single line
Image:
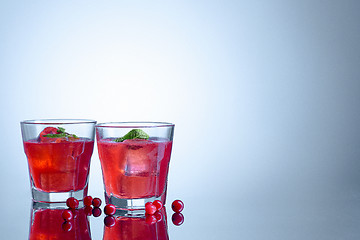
{"points": [[135, 169], [47, 223], [133, 227], [58, 153]]}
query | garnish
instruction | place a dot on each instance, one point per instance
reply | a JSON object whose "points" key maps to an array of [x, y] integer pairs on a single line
{"points": [[110, 209], [150, 208], [96, 202], [158, 204], [133, 134], [87, 200], [60, 133], [177, 206], [72, 202]]}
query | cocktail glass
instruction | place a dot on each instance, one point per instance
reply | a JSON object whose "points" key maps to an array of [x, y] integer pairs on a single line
{"points": [[58, 153], [135, 168]]}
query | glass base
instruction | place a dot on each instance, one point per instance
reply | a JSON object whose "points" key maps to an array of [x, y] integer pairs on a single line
{"points": [[49, 205], [57, 197], [131, 204]]}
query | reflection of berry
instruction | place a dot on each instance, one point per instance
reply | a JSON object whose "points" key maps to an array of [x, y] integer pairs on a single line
{"points": [[96, 202], [67, 215], [158, 204], [177, 206], [74, 211], [88, 200], [177, 219], [96, 212], [150, 219], [109, 209], [109, 221], [88, 210], [158, 216], [72, 202], [66, 226], [150, 208]]}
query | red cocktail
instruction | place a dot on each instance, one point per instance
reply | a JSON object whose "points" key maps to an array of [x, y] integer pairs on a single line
{"points": [[135, 168], [135, 161], [58, 153], [59, 166]]}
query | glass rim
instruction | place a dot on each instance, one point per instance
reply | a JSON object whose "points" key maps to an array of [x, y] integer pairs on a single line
{"points": [[134, 124], [59, 121]]}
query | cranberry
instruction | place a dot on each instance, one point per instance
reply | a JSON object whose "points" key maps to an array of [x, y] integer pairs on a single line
{"points": [[150, 219], [109, 209], [96, 202], [96, 212], [150, 208], [72, 202], [177, 219], [67, 215], [177, 206], [158, 216], [158, 204], [88, 200], [88, 210], [66, 226], [109, 221]]}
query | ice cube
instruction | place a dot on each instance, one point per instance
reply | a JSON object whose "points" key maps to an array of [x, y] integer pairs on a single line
{"points": [[140, 158]]}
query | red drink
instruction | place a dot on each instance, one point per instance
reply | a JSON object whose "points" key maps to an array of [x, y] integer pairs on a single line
{"points": [[137, 228], [135, 168], [59, 166], [48, 224]]}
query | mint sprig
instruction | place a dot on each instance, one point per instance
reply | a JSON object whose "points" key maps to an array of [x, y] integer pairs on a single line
{"points": [[61, 134], [133, 134]]}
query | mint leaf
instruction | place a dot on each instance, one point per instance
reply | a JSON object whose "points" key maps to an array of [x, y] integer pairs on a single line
{"points": [[58, 135], [133, 134], [61, 130], [61, 134]]}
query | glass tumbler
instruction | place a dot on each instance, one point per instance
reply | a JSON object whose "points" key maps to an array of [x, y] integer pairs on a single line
{"points": [[135, 160], [58, 153]]}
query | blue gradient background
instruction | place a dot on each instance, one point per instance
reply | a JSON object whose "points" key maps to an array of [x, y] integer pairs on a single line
{"points": [[264, 94]]}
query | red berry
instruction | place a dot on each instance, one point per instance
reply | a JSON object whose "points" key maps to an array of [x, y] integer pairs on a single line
{"points": [[177, 219], [88, 210], [158, 204], [150, 208], [158, 216], [72, 202], [109, 209], [109, 221], [177, 206], [96, 202], [67, 215], [47, 130], [66, 226], [150, 219], [96, 212], [87, 200]]}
